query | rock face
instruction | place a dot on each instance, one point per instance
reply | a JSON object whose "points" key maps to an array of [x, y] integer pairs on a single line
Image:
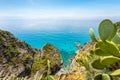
{"points": [[19, 58], [15, 55], [51, 53], [47, 52]]}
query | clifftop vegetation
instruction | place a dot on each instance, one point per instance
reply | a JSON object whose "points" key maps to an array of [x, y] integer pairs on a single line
{"points": [[20, 59]]}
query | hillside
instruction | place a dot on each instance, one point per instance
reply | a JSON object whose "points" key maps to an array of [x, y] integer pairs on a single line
{"points": [[19, 58]]}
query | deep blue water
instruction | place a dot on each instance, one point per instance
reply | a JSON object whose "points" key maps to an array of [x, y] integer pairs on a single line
{"points": [[62, 33]]}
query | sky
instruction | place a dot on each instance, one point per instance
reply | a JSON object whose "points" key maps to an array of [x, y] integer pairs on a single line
{"points": [[59, 9]]}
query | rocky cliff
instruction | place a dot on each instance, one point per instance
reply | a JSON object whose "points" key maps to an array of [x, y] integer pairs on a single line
{"points": [[20, 59]]}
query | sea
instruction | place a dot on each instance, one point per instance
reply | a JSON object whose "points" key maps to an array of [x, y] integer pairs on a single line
{"points": [[63, 34]]}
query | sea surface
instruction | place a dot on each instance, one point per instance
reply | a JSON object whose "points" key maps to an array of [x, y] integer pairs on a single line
{"points": [[61, 33]]}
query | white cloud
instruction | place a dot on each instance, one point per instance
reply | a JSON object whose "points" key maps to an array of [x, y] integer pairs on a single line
{"points": [[52, 18], [57, 13]]}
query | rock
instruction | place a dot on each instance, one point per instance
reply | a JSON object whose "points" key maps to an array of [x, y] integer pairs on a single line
{"points": [[20, 59], [17, 70], [47, 52], [53, 54], [73, 64], [84, 49], [15, 55]]}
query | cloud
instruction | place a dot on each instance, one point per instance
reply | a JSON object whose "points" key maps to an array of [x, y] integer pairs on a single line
{"points": [[52, 19], [58, 13]]}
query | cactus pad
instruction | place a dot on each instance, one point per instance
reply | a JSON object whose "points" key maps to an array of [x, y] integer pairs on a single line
{"points": [[102, 77], [98, 77], [116, 39], [97, 64], [115, 73], [105, 77], [106, 30], [109, 60], [92, 35], [106, 49]]}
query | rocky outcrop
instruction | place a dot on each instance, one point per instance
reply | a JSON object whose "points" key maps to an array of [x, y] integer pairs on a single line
{"points": [[20, 59], [77, 71], [15, 55], [47, 52], [84, 49], [51, 53]]}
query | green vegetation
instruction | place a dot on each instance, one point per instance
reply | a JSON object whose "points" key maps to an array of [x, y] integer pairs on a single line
{"points": [[49, 52], [20, 59], [35, 77], [104, 58], [48, 77], [39, 63], [48, 48]]}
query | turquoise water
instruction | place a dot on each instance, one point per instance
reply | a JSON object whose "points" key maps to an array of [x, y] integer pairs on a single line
{"points": [[64, 41], [62, 34]]}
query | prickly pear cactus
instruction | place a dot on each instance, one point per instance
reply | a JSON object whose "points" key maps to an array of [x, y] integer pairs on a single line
{"points": [[102, 77], [106, 50], [115, 73], [97, 64], [106, 30], [107, 61], [91, 32], [116, 39]]}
